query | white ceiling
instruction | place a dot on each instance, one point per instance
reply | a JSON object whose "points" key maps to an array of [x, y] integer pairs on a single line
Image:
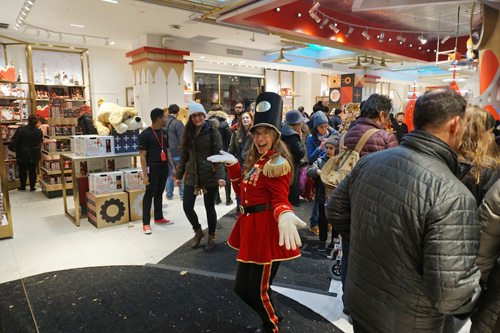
{"points": [[121, 23]]}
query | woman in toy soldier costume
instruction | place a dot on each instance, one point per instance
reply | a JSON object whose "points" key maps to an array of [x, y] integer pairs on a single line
{"points": [[266, 232]]}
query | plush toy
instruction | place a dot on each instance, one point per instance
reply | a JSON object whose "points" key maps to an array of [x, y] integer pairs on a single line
{"points": [[472, 55], [122, 119], [352, 111]]}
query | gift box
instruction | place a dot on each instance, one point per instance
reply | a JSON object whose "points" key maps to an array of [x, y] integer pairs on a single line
{"points": [[127, 142], [85, 167], [106, 210], [106, 182], [133, 179], [118, 163], [135, 203], [93, 145]]}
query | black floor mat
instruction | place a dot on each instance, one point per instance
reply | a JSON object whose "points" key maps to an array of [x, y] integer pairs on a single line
{"points": [[308, 272], [141, 299]]}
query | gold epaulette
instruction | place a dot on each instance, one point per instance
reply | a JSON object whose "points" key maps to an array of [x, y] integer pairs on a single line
{"points": [[276, 167]]}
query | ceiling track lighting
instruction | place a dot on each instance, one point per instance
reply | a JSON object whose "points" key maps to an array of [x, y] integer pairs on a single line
{"points": [[334, 28], [422, 39], [315, 17], [84, 39], [366, 35], [106, 42], [314, 7], [60, 36], [349, 32], [325, 21], [401, 38], [312, 12], [48, 35], [381, 37], [445, 39], [37, 32]]}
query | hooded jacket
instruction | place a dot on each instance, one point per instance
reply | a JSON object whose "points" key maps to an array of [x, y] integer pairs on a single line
{"points": [[201, 173], [175, 130], [414, 234], [224, 129], [86, 124], [297, 149]]}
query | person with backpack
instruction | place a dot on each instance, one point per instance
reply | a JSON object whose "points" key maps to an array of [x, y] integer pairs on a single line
{"points": [[374, 114], [314, 171], [217, 113], [413, 226], [315, 147]]}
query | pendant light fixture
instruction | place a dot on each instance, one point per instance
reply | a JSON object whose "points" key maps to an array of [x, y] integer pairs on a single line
{"points": [[358, 65], [281, 58]]}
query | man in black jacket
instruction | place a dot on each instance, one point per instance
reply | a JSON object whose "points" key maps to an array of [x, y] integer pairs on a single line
{"points": [[412, 226], [400, 127]]}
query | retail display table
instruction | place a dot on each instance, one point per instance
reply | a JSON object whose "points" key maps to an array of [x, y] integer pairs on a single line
{"points": [[75, 218]]}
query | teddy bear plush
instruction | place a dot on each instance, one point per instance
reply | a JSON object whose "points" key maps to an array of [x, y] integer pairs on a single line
{"points": [[122, 119]]}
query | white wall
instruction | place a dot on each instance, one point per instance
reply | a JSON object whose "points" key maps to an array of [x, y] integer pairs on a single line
{"points": [[110, 74]]}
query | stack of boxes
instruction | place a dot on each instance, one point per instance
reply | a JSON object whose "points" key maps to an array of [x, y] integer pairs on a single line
{"points": [[115, 190]]}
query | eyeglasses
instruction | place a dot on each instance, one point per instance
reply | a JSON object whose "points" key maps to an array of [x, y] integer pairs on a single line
{"points": [[198, 115], [264, 134]]}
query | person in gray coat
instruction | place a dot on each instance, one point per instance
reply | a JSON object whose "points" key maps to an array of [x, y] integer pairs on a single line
{"points": [[412, 225], [486, 318]]}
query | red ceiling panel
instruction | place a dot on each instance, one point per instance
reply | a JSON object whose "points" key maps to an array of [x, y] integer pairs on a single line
{"points": [[286, 21]]}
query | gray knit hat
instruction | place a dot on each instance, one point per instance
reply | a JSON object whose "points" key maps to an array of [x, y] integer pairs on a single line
{"points": [[333, 139], [195, 108]]}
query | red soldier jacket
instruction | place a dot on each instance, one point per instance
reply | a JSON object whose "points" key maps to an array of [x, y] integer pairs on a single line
{"points": [[256, 235]]}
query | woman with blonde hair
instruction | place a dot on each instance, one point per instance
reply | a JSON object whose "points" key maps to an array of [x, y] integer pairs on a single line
{"points": [[478, 148]]}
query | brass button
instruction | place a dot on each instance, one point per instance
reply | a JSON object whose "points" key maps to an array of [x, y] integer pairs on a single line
{"points": [[245, 189], [246, 201]]}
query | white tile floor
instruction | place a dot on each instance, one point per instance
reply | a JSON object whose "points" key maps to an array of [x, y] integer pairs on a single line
{"points": [[45, 240]]}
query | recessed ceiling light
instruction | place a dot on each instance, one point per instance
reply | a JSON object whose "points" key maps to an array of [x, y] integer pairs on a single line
{"points": [[202, 57], [30, 2], [299, 15], [25, 7], [77, 25], [23, 13], [111, 1], [111, 43]]}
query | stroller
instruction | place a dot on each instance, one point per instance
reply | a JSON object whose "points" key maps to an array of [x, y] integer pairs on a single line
{"points": [[335, 267]]}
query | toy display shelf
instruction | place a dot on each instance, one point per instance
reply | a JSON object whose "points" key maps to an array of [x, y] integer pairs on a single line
{"points": [[15, 98], [61, 85], [14, 82], [58, 137], [56, 172], [55, 190]]}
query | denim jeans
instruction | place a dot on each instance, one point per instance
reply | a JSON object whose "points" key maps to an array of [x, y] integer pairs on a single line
{"points": [[314, 220], [171, 182]]}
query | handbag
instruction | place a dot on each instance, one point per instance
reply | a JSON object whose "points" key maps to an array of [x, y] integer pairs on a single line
{"points": [[302, 180], [309, 190]]}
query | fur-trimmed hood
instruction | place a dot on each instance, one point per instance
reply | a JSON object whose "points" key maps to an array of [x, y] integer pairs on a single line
{"points": [[219, 114]]}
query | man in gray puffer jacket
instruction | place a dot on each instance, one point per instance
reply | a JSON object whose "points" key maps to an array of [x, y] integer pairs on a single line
{"points": [[412, 225]]}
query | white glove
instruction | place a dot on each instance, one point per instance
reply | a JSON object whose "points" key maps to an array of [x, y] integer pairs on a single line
{"points": [[287, 225], [222, 158]]}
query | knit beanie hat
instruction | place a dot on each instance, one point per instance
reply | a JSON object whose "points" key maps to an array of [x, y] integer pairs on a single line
{"points": [[195, 108], [319, 118], [333, 139]]}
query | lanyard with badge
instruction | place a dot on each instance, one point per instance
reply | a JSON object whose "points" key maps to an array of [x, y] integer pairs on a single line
{"points": [[163, 156]]}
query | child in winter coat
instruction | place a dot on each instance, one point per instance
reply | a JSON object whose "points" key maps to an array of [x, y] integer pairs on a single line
{"points": [[314, 171]]}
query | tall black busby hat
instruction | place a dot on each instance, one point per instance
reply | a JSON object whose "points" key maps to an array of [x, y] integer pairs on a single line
{"points": [[268, 111]]}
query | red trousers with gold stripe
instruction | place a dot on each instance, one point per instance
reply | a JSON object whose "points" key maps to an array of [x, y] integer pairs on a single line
{"points": [[253, 286]]}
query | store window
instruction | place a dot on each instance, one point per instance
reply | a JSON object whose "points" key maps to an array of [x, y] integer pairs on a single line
{"points": [[226, 90]]}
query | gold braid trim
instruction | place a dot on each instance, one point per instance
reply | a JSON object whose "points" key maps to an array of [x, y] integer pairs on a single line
{"points": [[276, 167], [198, 191]]}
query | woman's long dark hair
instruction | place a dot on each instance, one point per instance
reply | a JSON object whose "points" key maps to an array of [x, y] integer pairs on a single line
{"points": [[188, 135], [242, 132]]}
